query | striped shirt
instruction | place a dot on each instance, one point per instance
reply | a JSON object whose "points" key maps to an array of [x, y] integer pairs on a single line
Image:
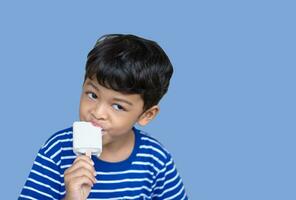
{"points": [[148, 173]]}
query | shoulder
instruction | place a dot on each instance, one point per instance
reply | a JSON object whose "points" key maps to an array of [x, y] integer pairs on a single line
{"points": [[59, 141], [147, 141], [153, 151]]}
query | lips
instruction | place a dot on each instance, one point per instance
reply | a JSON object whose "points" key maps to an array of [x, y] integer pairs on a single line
{"points": [[97, 125]]}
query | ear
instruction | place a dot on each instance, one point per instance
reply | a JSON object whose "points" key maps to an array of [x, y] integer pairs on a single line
{"points": [[148, 115]]}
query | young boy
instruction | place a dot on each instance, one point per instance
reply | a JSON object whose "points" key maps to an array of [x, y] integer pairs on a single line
{"points": [[126, 76]]}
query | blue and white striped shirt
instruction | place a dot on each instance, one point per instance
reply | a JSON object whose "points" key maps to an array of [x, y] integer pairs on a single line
{"points": [[148, 173]]}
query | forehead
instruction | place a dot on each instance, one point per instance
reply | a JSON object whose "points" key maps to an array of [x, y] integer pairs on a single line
{"points": [[134, 98]]}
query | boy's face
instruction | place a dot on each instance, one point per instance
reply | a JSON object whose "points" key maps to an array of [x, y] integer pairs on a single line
{"points": [[114, 112]]}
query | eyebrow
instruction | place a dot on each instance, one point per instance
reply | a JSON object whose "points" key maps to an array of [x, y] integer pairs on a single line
{"points": [[122, 100], [93, 85], [115, 98]]}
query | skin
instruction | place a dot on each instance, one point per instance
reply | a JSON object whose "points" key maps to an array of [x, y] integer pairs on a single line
{"points": [[116, 113]]}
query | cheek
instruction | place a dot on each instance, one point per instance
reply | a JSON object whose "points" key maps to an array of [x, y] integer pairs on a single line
{"points": [[81, 114], [124, 123], [83, 108]]}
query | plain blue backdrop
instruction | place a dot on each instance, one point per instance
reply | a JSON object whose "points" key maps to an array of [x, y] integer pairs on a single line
{"points": [[228, 118]]}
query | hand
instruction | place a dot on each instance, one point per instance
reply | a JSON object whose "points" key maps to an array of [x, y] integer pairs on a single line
{"points": [[79, 178]]}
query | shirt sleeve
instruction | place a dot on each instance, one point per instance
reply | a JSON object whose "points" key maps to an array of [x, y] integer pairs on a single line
{"points": [[168, 184], [45, 179]]}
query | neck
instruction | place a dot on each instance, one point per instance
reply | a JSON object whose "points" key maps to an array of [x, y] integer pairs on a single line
{"points": [[120, 149]]}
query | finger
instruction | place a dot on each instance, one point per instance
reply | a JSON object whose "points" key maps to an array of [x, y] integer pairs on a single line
{"points": [[81, 164], [85, 158], [78, 181], [80, 172]]}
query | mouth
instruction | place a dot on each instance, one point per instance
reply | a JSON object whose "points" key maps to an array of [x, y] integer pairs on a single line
{"points": [[99, 126], [96, 124]]}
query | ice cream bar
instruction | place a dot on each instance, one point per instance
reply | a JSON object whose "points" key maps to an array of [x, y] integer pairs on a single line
{"points": [[87, 139]]}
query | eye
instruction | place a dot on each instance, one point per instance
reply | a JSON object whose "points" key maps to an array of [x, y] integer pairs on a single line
{"points": [[91, 95], [118, 107]]}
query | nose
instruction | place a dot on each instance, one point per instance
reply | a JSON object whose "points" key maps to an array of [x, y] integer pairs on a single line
{"points": [[99, 112]]}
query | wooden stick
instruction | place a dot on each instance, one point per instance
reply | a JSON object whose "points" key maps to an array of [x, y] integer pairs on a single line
{"points": [[88, 153]]}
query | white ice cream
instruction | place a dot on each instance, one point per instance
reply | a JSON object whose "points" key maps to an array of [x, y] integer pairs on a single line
{"points": [[87, 139]]}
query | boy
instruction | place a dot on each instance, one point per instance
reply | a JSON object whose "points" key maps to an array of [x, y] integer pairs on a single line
{"points": [[125, 78]]}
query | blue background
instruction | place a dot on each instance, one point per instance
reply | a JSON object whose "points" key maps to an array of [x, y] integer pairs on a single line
{"points": [[229, 116]]}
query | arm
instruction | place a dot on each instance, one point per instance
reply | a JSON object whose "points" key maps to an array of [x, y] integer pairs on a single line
{"points": [[168, 184], [45, 180], [80, 178]]}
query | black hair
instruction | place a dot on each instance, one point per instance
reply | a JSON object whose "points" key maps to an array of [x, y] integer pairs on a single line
{"points": [[130, 64]]}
